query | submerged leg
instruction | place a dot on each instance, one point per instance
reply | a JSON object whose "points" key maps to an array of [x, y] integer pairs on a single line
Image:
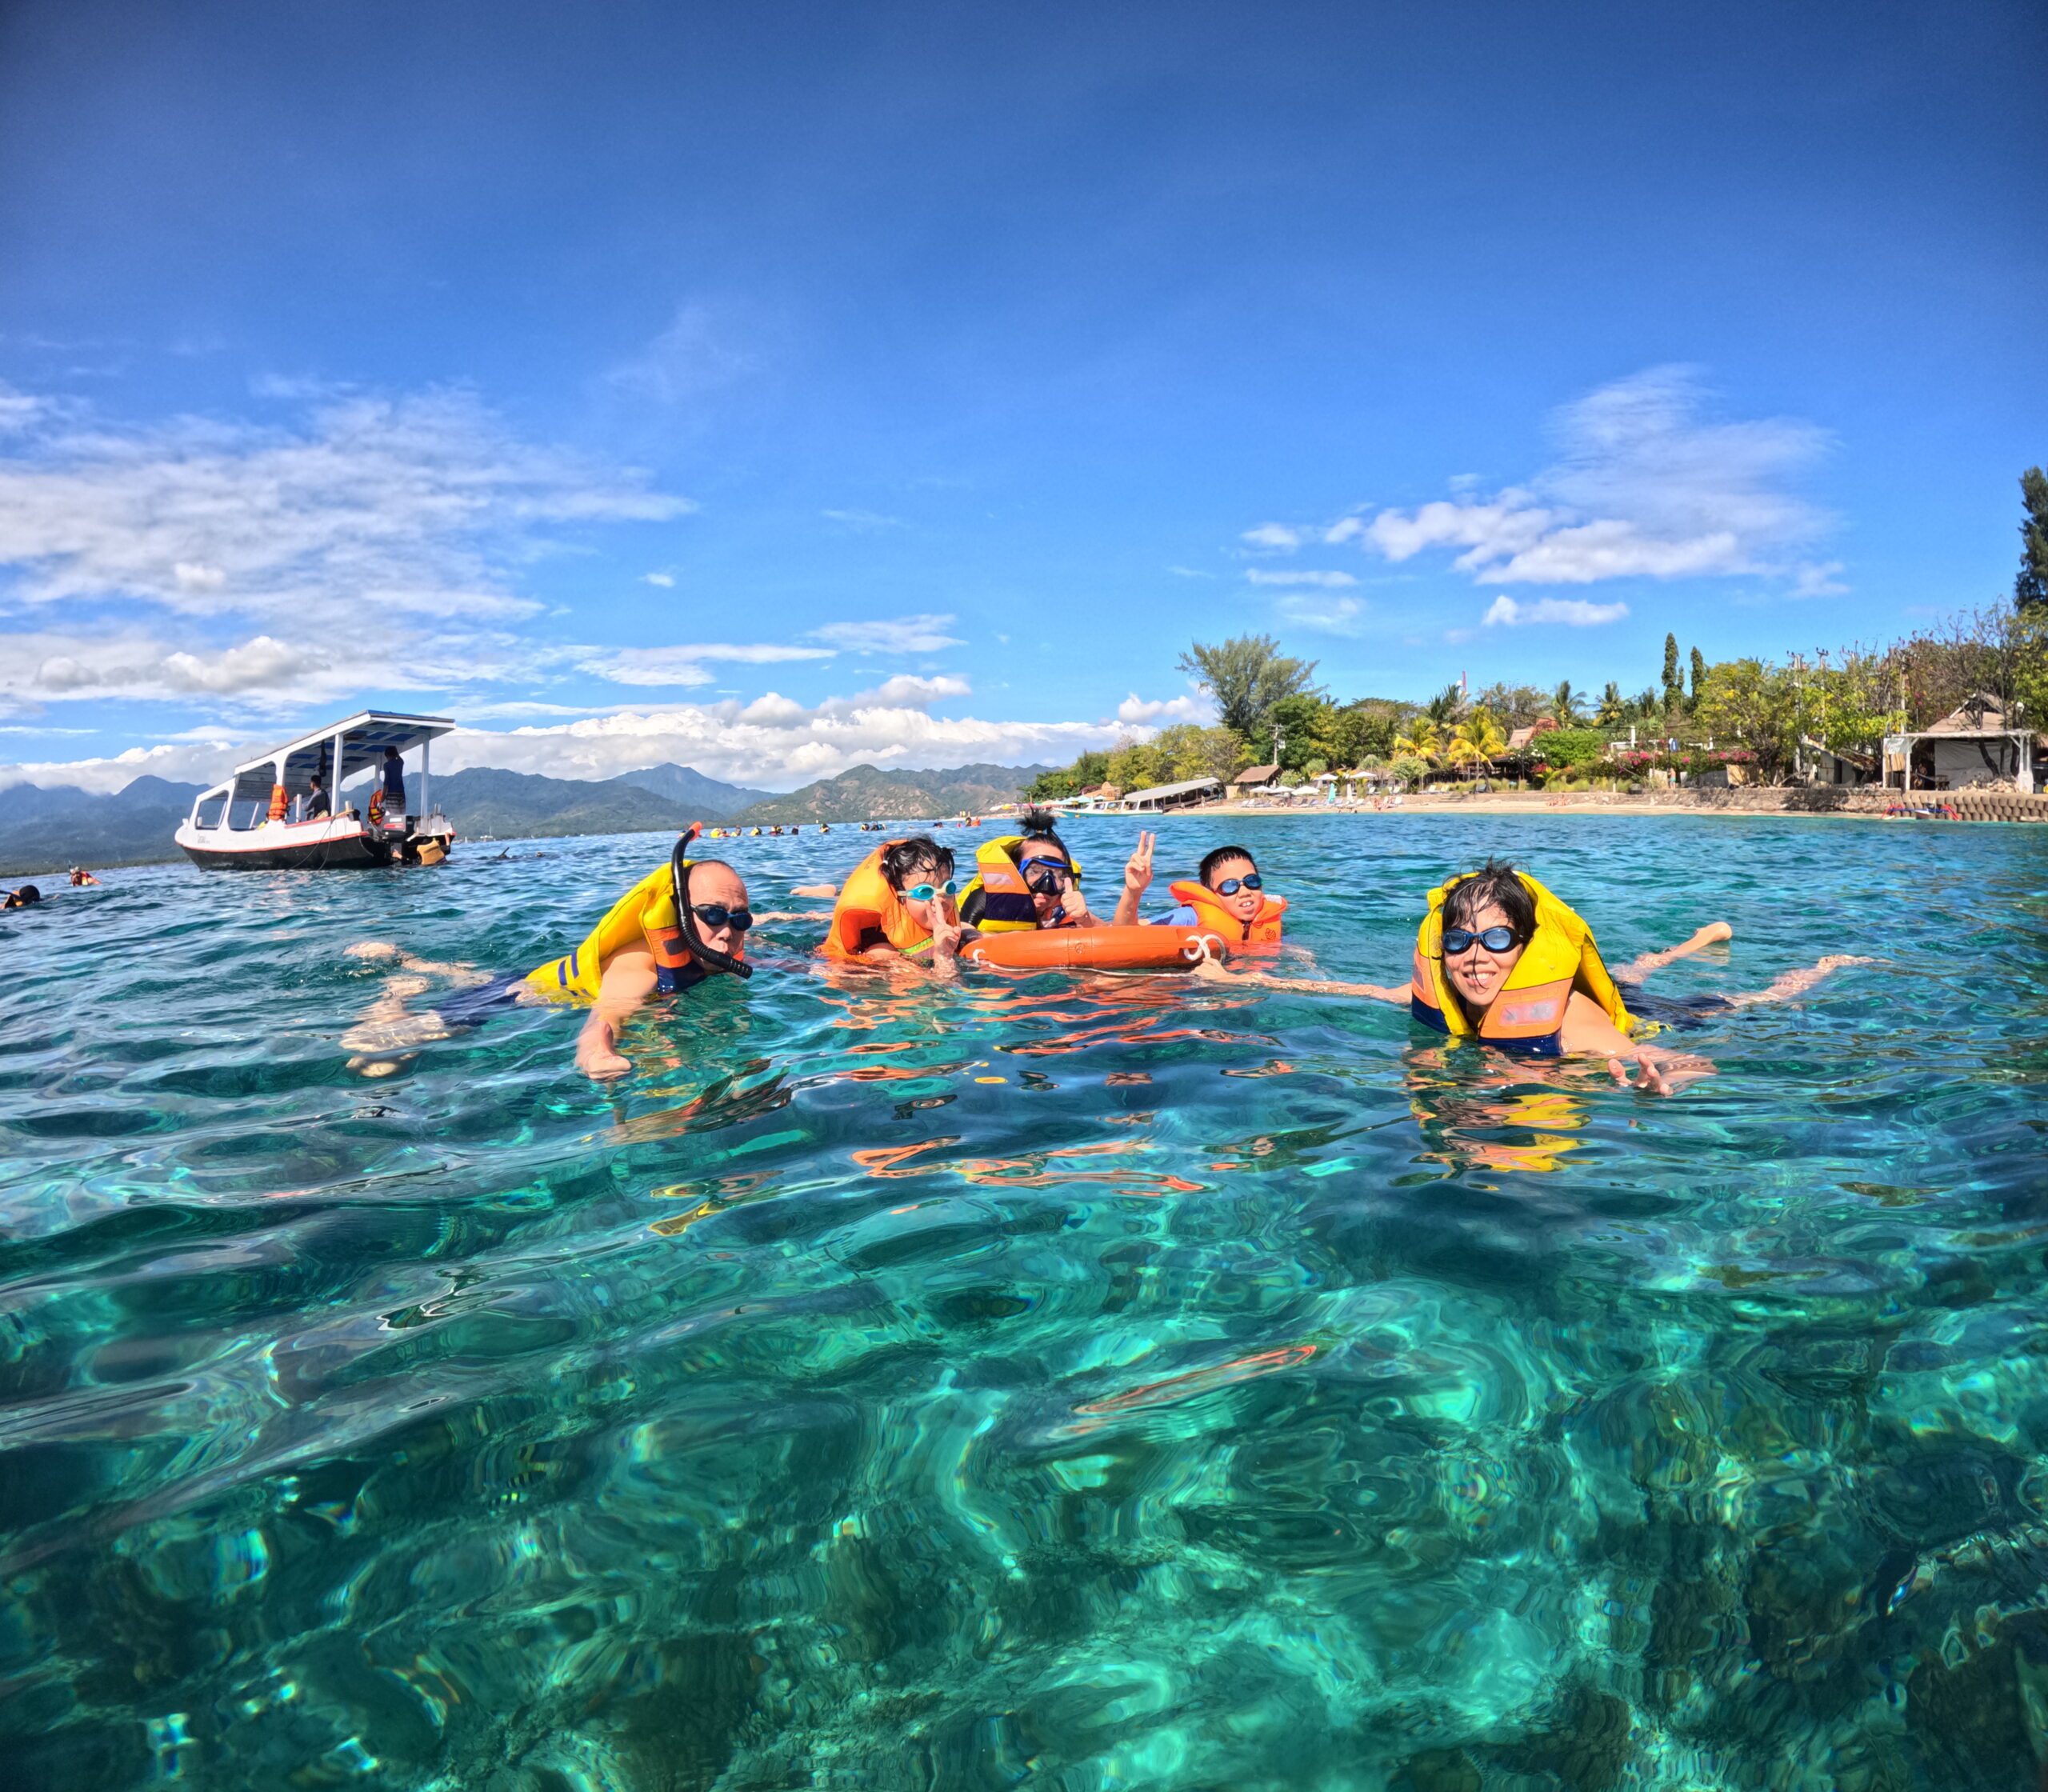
{"points": [[1713, 934], [1796, 982]]}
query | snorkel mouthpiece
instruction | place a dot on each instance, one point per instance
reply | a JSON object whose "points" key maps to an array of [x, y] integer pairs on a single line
{"points": [[705, 953]]}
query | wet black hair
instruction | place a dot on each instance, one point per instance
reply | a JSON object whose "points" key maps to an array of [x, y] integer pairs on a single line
{"points": [[21, 899], [1038, 825], [900, 859], [1223, 855], [1495, 882]]}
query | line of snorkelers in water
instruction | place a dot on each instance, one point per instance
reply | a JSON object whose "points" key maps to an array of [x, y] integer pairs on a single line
{"points": [[1498, 959], [820, 827]]}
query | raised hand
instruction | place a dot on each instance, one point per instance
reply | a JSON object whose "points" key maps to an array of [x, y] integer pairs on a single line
{"points": [[1137, 868]]}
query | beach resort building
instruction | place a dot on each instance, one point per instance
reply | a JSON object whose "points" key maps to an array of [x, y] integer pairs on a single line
{"points": [[1976, 742], [1253, 778], [1159, 797]]}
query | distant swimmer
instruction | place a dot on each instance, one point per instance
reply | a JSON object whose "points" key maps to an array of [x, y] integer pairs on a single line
{"points": [[81, 878], [677, 927], [1500, 960], [24, 897]]}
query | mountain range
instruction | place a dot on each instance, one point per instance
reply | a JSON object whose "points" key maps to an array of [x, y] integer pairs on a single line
{"points": [[42, 830]]}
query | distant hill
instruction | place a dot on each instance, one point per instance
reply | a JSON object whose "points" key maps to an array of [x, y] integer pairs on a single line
{"points": [[514, 804], [47, 830], [869, 794], [706, 798]]}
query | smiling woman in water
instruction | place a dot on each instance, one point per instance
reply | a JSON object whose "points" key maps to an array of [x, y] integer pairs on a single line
{"points": [[1501, 960]]}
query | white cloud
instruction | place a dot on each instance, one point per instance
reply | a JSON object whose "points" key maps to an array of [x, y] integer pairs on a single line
{"points": [[684, 665], [1330, 615], [1194, 707], [425, 504], [1276, 537], [1188, 572], [1643, 487], [17, 410], [866, 521], [773, 742], [905, 688], [666, 580], [1573, 612], [1329, 581], [900, 635], [690, 358]]}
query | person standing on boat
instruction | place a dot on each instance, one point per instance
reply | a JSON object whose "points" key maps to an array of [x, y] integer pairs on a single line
{"points": [[394, 783]]}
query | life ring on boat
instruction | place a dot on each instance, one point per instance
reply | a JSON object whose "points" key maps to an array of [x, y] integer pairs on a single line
{"points": [[1097, 949]]}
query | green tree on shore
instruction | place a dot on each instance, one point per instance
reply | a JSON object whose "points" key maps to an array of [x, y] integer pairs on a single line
{"points": [[1613, 711], [1675, 690], [1247, 675], [1699, 673], [2030, 588]]}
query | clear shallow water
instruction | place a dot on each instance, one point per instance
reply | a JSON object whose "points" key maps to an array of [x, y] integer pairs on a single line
{"points": [[1088, 1385]]}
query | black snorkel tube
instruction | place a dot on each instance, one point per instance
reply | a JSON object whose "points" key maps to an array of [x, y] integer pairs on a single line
{"points": [[710, 957]]}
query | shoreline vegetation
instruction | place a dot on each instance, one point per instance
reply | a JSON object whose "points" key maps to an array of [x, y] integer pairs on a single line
{"points": [[1822, 717]]}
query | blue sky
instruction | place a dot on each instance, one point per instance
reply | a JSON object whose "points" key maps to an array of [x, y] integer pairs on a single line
{"points": [[777, 387]]}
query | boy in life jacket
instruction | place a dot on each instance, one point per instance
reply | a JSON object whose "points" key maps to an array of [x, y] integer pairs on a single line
{"points": [[1227, 898]]}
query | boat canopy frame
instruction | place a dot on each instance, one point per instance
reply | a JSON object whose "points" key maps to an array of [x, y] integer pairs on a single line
{"points": [[358, 740]]}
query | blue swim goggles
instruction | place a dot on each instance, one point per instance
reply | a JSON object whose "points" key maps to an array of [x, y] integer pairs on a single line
{"points": [[1458, 941], [1230, 887], [924, 892]]}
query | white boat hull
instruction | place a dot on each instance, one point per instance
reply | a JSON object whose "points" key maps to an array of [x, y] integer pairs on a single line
{"points": [[338, 843]]}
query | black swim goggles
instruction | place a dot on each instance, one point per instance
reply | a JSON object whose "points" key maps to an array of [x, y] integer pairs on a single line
{"points": [[1230, 887], [1043, 877], [715, 915], [1458, 941]]}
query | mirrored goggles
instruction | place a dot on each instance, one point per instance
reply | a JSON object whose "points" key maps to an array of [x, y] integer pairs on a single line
{"points": [[1458, 941], [715, 915]]}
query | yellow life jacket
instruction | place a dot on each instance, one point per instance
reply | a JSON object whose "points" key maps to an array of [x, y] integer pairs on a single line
{"points": [[867, 905], [1210, 913], [1528, 1014], [644, 916], [1001, 900]]}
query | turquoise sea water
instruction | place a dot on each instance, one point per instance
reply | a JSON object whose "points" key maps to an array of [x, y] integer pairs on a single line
{"points": [[1067, 1383]]}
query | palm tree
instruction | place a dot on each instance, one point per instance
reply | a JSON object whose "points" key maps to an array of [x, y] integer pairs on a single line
{"points": [[1566, 702], [1421, 742], [1478, 740], [1613, 711], [1447, 706]]}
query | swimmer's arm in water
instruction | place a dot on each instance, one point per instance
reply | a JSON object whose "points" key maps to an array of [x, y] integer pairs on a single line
{"points": [[1310, 985], [816, 892], [629, 979], [379, 949], [1587, 1032]]}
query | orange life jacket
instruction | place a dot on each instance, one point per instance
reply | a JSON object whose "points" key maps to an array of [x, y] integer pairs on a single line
{"points": [[1211, 915], [280, 802], [867, 906]]}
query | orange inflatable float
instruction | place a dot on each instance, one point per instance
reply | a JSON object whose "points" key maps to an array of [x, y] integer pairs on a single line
{"points": [[1096, 949]]}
